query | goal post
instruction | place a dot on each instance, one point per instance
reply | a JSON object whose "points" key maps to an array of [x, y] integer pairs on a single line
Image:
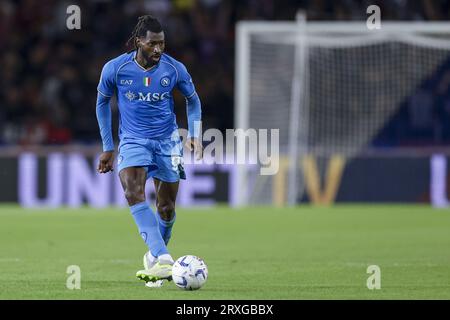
{"points": [[329, 87]]}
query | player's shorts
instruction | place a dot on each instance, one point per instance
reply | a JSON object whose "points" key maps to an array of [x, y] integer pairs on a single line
{"points": [[162, 158]]}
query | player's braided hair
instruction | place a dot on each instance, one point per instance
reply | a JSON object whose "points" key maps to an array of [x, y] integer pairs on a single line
{"points": [[144, 24]]}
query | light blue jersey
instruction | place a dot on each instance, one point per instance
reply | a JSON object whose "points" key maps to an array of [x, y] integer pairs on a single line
{"points": [[145, 95], [148, 130]]}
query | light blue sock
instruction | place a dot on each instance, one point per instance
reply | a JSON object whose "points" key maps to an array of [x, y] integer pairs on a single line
{"points": [[148, 228], [165, 227]]}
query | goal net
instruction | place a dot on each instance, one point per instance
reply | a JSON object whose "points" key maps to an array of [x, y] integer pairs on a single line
{"points": [[330, 88]]}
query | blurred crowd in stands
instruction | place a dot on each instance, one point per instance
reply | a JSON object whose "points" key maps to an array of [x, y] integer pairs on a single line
{"points": [[49, 73]]}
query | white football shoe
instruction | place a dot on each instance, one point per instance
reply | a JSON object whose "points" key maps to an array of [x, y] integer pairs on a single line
{"points": [[149, 261], [156, 284], [158, 272]]}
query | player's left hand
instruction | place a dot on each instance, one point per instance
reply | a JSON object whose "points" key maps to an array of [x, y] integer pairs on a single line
{"points": [[196, 145], [105, 162]]}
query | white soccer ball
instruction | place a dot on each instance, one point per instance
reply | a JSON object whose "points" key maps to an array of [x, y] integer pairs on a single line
{"points": [[189, 272]]}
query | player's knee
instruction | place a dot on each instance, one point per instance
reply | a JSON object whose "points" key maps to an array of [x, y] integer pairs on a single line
{"points": [[134, 195], [166, 210]]}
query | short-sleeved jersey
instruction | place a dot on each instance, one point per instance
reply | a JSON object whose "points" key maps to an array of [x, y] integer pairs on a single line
{"points": [[144, 96]]}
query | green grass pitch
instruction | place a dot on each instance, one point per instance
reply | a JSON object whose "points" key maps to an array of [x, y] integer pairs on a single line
{"points": [[253, 253]]}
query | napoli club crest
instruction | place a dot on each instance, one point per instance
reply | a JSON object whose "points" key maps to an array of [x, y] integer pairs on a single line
{"points": [[165, 81]]}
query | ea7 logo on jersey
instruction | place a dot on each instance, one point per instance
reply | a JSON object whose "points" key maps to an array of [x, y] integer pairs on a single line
{"points": [[156, 96], [126, 81]]}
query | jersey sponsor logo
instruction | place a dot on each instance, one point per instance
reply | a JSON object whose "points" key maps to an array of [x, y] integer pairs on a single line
{"points": [[165, 81], [125, 81], [152, 97], [130, 95]]}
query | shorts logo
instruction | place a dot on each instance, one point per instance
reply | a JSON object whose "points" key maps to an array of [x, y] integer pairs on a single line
{"points": [[176, 162], [177, 166], [120, 159], [165, 81]]}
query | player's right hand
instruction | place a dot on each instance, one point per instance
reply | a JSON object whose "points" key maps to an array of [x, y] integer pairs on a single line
{"points": [[194, 144], [105, 163]]}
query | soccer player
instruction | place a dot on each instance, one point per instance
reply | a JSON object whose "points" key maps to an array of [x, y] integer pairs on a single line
{"points": [[142, 81]]}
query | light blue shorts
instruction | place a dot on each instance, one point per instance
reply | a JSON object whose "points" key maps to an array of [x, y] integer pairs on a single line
{"points": [[162, 158]]}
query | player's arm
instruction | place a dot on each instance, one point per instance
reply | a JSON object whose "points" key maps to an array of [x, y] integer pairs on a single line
{"points": [[103, 111], [194, 113]]}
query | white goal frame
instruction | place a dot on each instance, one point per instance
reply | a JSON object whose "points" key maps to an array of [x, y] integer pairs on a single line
{"points": [[244, 30]]}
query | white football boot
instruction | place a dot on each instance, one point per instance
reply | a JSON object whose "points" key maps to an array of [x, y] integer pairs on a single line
{"points": [[149, 262]]}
